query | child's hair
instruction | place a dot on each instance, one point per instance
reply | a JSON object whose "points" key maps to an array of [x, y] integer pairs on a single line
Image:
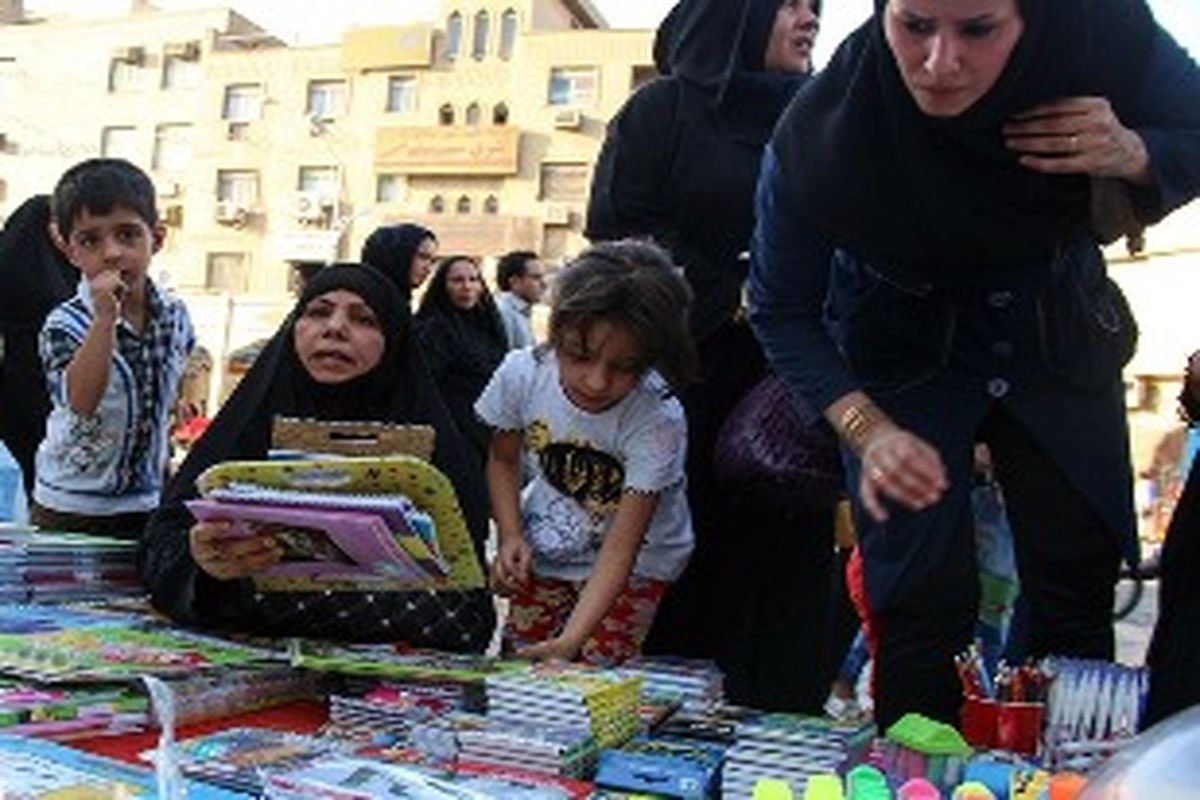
{"points": [[631, 284], [99, 185]]}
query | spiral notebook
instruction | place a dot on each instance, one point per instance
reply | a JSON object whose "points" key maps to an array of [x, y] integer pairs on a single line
{"points": [[389, 523]]}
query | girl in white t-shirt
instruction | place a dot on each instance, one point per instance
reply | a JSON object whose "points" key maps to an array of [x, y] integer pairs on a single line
{"points": [[589, 546]]}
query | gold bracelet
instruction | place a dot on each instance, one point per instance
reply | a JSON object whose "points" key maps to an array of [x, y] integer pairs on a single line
{"points": [[857, 421]]}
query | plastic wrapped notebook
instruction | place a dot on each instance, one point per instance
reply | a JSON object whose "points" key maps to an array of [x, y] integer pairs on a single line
{"points": [[388, 523]]}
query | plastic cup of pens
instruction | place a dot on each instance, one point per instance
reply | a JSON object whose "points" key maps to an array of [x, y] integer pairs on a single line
{"points": [[1004, 711]]}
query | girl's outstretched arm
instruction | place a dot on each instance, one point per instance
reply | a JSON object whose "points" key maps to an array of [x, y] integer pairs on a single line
{"points": [[511, 568], [613, 567]]}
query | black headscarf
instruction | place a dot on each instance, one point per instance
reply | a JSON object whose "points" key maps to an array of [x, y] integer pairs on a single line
{"points": [[34, 278], [484, 317], [391, 249], [398, 390], [893, 185], [34, 274], [694, 43]]}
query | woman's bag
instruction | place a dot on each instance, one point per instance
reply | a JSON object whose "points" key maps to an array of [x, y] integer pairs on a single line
{"points": [[766, 452]]}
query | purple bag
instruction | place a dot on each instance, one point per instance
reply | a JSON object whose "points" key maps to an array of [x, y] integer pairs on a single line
{"points": [[766, 451]]}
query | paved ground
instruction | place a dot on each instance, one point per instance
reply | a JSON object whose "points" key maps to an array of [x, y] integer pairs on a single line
{"points": [[1133, 632]]}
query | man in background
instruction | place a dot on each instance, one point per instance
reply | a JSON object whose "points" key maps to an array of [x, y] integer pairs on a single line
{"points": [[521, 280]]}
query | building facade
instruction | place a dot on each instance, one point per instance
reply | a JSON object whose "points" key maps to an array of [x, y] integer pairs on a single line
{"points": [[483, 124]]}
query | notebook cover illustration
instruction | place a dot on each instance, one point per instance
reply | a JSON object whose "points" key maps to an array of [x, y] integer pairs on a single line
{"points": [[422, 483]]}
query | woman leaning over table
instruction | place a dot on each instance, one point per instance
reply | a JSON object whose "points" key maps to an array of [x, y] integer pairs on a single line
{"points": [[926, 271], [344, 353]]}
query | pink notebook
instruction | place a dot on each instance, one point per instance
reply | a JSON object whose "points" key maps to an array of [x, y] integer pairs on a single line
{"points": [[320, 544]]}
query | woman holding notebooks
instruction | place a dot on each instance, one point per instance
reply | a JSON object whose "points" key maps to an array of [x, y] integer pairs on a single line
{"points": [[343, 354]]}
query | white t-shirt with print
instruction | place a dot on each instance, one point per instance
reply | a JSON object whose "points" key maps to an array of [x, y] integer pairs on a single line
{"points": [[581, 463]]}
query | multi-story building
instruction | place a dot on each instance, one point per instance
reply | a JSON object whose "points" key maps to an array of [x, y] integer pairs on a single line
{"points": [[483, 125]]}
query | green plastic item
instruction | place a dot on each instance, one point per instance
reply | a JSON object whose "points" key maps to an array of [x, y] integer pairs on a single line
{"points": [[772, 789], [924, 735], [865, 782], [823, 787]]}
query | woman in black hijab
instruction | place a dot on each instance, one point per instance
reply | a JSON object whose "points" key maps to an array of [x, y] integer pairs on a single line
{"points": [[324, 363], [926, 272], [34, 278], [679, 165], [403, 253], [463, 341]]}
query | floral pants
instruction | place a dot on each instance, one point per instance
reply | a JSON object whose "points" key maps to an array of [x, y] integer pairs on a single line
{"points": [[540, 611]]}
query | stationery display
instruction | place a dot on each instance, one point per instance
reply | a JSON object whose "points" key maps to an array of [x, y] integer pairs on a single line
{"points": [[573, 696], [69, 713], [36, 770], [697, 683], [40, 566], [1094, 709], [388, 523], [111, 653], [685, 770], [790, 747], [1004, 710], [543, 749]]}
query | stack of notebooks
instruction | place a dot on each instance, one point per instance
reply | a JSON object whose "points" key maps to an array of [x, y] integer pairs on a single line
{"points": [[572, 696], [40, 566], [71, 712], [790, 747], [386, 713], [542, 749], [238, 758], [390, 523], [698, 684]]}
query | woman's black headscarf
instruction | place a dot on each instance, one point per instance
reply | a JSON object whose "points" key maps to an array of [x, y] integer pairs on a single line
{"points": [[694, 42], [484, 316], [869, 169], [391, 249], [34, 278], [398, 390]]}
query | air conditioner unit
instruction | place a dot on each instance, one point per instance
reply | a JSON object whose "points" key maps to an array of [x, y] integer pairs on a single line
{"points": [[230, 212], [569, 119], [311, 206], [185, 50], [556, 214], [130, 55]]}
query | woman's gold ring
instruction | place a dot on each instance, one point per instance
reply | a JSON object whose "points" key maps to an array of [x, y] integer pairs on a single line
{"points": [[1074, 142], [877, 474]]}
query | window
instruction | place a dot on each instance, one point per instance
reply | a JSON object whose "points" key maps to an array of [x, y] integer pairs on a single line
{"points": [[326, 99], [491, 205], [172, 147], [118, 141], [479, 40], [573, 86], [564, 183], [389, 188], [243, 102], [500, 114], [122, 75], [237, 186], [227, 272], [321, 180], [508, 34], [454, 26], [473, 114], [464, 205], [446, 115], [402, 93], [180, 72], [437, 205]]}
